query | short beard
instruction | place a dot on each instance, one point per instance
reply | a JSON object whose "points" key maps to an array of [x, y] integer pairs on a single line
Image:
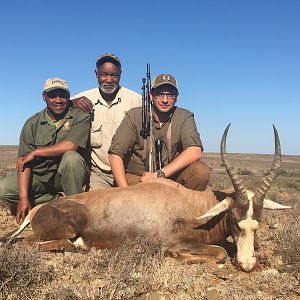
{"points": [[108, 91]]}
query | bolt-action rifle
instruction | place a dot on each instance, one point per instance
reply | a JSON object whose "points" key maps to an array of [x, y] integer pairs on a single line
{"points": [[146, 131]]}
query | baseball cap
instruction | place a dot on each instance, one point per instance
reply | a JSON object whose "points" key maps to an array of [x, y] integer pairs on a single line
{"points": [[108, 57], [55, 84], [162, 79]]}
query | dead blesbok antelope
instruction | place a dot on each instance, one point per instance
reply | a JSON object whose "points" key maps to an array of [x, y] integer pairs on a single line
{"points": [[189, 223]]}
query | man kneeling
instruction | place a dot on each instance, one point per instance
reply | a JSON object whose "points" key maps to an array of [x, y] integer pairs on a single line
{"points": [[180, 143], [52, 152]]}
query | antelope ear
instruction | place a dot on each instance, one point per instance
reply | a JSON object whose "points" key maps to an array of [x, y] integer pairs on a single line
{"points": [[217, 209], [269, 204]]}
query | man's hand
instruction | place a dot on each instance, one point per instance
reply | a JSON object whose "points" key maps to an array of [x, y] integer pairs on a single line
{"points": [[83, 103], [23, 160], [23, 209], [148, 175]]}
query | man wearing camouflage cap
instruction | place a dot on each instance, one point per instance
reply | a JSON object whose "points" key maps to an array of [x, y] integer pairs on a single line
{"points": [[109, 102], [51, 152], [174, 127]]}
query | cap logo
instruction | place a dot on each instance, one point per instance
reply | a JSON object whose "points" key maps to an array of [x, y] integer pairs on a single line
{"points": [[162, 79], [58, 81], [166, 78]]}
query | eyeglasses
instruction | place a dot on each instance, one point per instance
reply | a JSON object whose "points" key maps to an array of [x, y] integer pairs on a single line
{"points": [[58, 93], [160, 96]]}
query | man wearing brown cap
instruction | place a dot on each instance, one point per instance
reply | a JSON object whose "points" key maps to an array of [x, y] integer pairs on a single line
{"points": [[174, 127], [51, 152], [109, 103]]}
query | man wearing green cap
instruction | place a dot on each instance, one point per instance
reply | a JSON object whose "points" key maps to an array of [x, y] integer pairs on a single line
{"points": [[51, 156], [174, 127], [108, 103]]}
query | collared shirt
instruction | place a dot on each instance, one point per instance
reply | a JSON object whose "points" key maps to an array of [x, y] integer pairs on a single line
{"points": [[106, 119], [130, 145], [40, 131]]}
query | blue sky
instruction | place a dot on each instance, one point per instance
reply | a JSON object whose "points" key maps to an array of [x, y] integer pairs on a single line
{"points": [[235, 61]]}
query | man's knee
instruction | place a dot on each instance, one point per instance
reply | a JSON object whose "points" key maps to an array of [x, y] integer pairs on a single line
{"points": [[200, 170], [72, 162], [9, 188], [196, 176], [71, 159]]}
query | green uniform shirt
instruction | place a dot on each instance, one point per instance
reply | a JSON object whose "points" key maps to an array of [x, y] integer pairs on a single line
{"points": [[130, 145], [40, 131]]}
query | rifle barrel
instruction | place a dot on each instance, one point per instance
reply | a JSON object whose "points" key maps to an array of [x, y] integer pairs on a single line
{"points": [[146, 131]]}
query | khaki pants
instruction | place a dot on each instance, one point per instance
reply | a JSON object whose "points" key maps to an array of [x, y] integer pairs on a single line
{"points": [[100, 179], [70, 179], [194, 177]]}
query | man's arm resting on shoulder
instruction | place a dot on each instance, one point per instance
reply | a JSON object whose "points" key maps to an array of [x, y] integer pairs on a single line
{"points": [[185, 158], [118, 169], [83, 103], [24, 205]]}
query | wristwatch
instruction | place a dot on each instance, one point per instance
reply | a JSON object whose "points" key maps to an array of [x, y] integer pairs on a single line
{"points": [[160, 174]]}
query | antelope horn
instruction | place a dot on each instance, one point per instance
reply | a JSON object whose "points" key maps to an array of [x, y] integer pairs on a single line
{"points": [[267, 181], [241, 193]]}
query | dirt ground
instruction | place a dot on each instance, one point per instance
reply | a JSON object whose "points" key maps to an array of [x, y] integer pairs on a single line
{"points": [[138, 271]]}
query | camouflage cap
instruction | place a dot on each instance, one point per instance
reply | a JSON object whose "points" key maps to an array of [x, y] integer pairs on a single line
{"points": [[162, 79], [55, 84], [108, 57]]}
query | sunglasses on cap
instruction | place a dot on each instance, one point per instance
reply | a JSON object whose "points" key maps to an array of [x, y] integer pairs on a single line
{"points": [[58, 93]]}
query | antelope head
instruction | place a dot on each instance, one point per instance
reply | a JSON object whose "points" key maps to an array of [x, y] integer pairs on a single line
{"points": [[245, 210]]}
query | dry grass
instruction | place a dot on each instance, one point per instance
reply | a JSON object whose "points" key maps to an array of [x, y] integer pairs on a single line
{"points": [[289, 237], [22, 273], [130, 271]]}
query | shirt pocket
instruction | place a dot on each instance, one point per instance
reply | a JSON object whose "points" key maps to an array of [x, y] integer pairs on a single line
{"points": [[96, 137]]}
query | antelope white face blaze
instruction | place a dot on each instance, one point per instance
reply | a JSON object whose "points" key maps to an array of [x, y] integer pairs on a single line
{"points": [[246, 257]]}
